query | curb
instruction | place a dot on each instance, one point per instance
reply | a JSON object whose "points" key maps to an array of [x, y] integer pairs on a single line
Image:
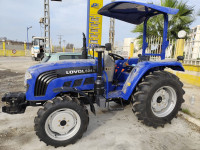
{"points": [[190, 119]]}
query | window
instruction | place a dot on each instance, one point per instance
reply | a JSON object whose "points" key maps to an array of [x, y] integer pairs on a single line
{"points": [[39, 42], [64, 57], [77, 57]]}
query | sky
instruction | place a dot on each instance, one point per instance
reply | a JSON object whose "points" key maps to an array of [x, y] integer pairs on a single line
{"points": [[68, 18]]}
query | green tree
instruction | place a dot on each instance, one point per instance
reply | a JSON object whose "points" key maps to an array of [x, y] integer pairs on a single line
{"points": [[180, 21]]}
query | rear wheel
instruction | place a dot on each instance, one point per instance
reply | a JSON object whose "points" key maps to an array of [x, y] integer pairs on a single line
{"points": [[158, 98], [62, 122]]}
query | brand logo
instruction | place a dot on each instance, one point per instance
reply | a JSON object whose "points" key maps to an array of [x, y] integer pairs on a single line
{"points": [[80, 71], [95, 5]]}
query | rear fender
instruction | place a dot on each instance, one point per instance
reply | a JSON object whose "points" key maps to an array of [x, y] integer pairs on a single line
{"points": [[141, 69]]}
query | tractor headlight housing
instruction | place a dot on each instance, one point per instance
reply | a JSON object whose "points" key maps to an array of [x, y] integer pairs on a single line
{"points": [[28, 76]]}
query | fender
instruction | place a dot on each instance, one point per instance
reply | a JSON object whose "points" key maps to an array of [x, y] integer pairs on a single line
{"points": [[74, 90], [139, 71]]}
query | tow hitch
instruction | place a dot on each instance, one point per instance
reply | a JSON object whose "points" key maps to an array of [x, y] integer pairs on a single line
{"points": [[15, 103]]}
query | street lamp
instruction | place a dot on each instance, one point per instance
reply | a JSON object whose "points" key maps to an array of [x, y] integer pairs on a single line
{"points": [[27, 35]]}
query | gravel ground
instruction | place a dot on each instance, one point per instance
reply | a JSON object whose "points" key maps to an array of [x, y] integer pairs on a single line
{"points": [[107, 130], [193, 107]]}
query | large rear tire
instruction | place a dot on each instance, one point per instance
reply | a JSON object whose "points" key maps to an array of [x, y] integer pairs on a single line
{"points": [[61, 122], [158, 98]]}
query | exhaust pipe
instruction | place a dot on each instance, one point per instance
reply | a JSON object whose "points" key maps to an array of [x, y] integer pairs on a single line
{"points": [[84, 48]]}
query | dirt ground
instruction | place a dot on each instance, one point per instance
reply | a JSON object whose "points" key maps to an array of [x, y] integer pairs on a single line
{"points": [[193, 107], [107, 130]]}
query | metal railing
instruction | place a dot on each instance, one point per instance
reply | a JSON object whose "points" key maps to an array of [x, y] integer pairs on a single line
{"points": [[191, 50], [155, 47]]}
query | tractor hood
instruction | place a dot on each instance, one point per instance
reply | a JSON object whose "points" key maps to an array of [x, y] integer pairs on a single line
{"points": [[43, 67]]}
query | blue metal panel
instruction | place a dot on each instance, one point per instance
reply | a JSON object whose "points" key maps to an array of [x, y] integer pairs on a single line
{"points": [[145, 44], [57, 83], [62, 64], [138, 72], [119, 65], [107, 84], [165, 41]]}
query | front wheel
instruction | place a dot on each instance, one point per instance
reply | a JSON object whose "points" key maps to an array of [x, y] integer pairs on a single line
{"points": [[158, 98], [62, 122]]}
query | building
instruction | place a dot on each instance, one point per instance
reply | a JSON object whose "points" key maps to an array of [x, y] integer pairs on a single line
{"points": [[192, 46], [123, 49]]}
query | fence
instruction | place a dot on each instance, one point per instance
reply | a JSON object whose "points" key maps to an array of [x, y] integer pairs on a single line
{"points": [[191, 51], [10, 48]]}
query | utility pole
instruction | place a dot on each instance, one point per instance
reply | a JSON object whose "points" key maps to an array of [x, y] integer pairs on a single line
{"points": [[47, 45], [27, 36], [64, 43], [64, 46], [112, 31], [60, 41], [47, 39]]}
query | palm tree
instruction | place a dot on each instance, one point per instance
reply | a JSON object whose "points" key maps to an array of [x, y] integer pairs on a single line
{"points": [[180, 21]]}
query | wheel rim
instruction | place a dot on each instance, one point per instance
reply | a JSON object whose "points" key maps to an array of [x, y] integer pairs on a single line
{"points": [[62, 124], [163, 101]]}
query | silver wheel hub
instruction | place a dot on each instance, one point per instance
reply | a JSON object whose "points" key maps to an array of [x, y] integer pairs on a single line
{"points": [[163, 101], [62, 124]]}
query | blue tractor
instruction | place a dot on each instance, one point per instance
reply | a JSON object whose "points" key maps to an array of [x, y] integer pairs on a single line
{"points": [[63, 88]]}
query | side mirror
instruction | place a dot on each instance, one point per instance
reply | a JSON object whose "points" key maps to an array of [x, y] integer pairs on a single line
{"points": [[180, 58], [108, 46]]}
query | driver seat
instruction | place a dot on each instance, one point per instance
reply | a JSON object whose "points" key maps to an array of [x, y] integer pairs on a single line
{"points": [[109, 67]]}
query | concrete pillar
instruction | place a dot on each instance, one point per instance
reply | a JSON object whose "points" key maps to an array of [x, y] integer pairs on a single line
{"points": [[24, 45], [180, 47], [4, 47], [52, 48], [25, 48], [131, 50], [63, 49]]}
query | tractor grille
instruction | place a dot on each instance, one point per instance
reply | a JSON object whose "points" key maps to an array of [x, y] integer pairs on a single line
{"points": [[43, 81], [77, 82]]}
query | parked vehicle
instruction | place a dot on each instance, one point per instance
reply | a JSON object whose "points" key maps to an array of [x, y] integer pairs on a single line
{"points": [[62, 87], [61, 56], [37, 49]]}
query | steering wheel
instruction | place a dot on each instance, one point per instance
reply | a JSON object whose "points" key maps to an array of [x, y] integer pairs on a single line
{"points": [[116, 57]]}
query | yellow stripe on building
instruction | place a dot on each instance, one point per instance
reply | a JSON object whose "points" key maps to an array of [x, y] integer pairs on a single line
{"points": [[191, 68], [188, 77]]}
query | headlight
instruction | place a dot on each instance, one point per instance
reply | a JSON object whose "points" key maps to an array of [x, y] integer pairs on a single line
{"points": [[27, 77]]}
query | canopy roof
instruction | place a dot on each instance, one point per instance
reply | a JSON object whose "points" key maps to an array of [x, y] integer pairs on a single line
{"points": [[134, 12]]}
